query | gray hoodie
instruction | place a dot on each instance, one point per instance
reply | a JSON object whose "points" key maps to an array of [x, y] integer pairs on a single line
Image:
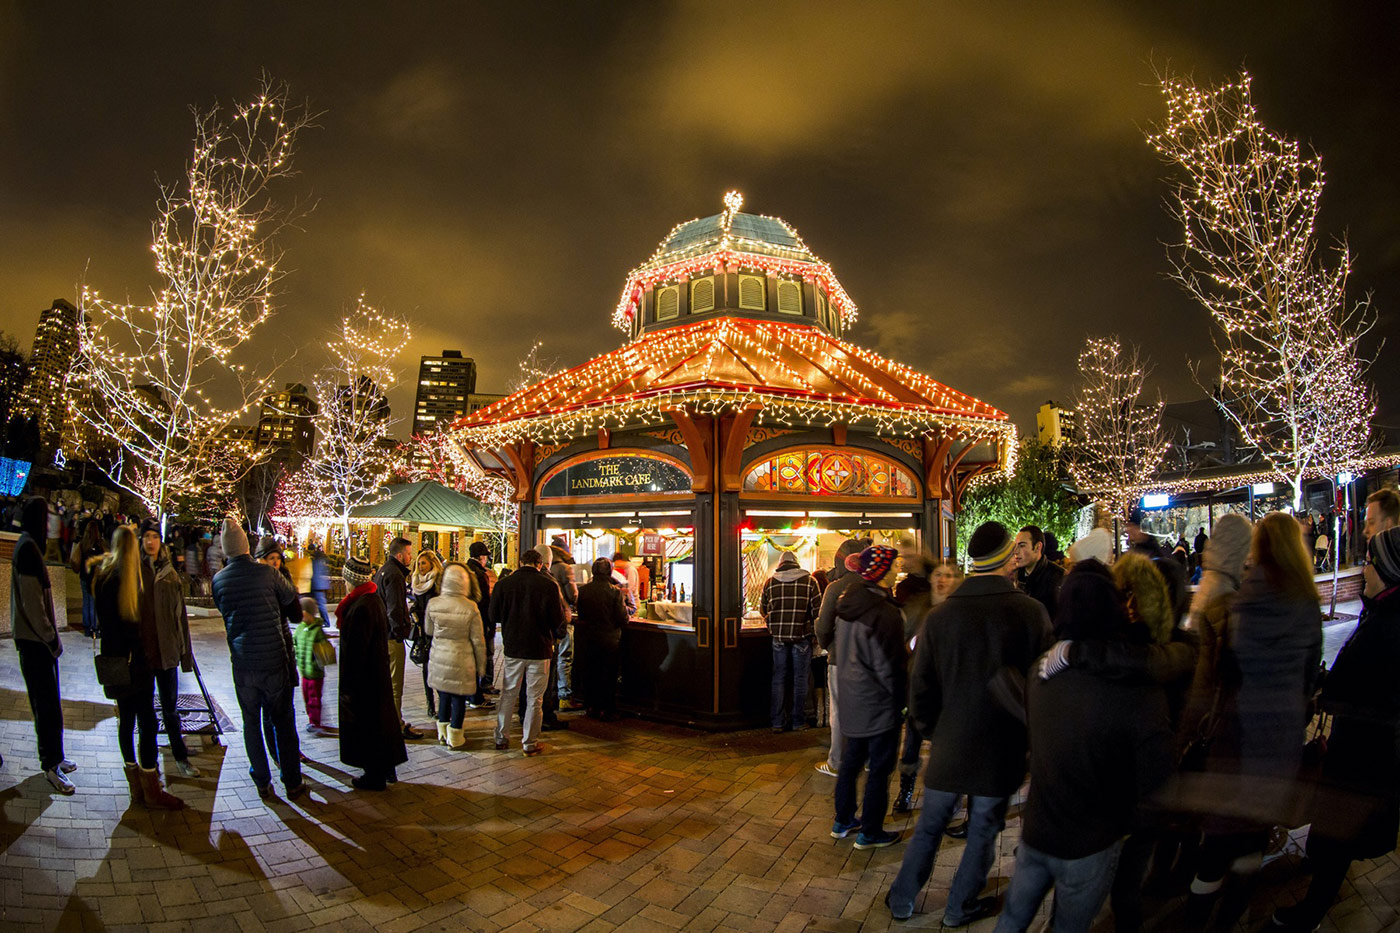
{"points": [[838, 581]]}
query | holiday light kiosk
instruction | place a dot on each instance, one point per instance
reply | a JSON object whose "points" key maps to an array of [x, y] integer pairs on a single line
{"points": [[735, 423]]}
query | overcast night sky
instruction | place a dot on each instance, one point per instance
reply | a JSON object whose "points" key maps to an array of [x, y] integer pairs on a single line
{"points": [[975, 173]]}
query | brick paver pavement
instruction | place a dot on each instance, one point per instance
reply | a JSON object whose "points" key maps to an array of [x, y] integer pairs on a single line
{"points": [[629, 826]]}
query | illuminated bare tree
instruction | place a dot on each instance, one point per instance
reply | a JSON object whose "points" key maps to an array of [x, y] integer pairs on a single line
{"points": [[353, 458], [146, 376], [1121, 443], [439, 458], [1292, 378]]}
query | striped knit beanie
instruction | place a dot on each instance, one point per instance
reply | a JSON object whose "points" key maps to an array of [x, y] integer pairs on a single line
{"points": [[1384, 554], [990, 547], [356, 571], [876, 561]]}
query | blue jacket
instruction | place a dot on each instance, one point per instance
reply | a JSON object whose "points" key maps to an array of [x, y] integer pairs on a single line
{"points": [[253, 599]]}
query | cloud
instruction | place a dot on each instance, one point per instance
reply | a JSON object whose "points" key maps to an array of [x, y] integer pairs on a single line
{"points": [[423, 104]]}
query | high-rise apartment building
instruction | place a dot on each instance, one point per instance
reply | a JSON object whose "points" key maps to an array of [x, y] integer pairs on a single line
{"points": [[444, 382], [1056, 426], [55, 345], [285, 424]]}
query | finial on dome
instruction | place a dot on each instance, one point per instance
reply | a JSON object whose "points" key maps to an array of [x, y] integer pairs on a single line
{"points": [[733, 200]]}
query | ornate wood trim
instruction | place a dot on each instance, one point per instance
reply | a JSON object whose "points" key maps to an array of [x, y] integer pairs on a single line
{"points": [[838, 434], [697, 443], [735, 429], [977, 470], [935, 461]]}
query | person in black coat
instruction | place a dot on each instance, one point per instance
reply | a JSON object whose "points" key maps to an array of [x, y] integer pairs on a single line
{"points": [[601, 615], [1036, 575], [1356, 811], [1099, 745], [477, 562], [370, 733], [984, 636], [529, 609]]}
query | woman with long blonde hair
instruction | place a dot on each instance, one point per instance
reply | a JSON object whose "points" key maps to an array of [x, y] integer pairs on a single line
{"points": [[1269, 659], [117, 593]]}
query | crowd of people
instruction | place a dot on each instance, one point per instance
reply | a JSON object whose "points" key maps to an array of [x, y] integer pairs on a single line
{"points": [[1164, 733]]}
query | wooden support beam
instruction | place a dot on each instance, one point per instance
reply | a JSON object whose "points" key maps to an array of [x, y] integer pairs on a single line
{"points": [[977, 470], [698, 445], [950, 477], [735, 430], [604, 438], [838, 434], [935, 460]]}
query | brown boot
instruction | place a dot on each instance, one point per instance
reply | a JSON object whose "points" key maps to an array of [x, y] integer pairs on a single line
{"points": [[133, 781], [156, 796]]}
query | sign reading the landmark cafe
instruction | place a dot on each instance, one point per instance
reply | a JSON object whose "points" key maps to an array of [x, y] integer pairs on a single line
{"points": [[616, 476]]}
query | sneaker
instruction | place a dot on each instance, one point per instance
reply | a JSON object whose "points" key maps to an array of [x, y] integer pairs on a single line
{"points": [[824, 768], [67, 767], [59, 782], [186, 769], [878, 841], [981, 907], [840, 830]]}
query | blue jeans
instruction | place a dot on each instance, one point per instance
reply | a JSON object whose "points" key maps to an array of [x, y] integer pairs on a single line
{"points": [[1081, 887], [89, 608], [268, 694], [451, 708], [564, 661], [798, 656], [986, 817], [320, 597], [880, 750]]}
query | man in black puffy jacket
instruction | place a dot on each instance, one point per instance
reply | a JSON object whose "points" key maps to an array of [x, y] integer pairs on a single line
{"points": [[254, 600]]}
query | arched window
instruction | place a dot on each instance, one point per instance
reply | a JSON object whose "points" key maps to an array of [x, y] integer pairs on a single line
{"points": [[830, 473], [789, 297], [668, 303], [752, 290], [702, 295]]}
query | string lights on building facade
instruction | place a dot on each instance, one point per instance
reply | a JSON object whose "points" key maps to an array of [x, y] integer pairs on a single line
{"points": [[1292, 376], [146, 376]]}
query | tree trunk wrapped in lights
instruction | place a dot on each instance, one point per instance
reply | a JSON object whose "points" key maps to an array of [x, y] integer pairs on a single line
{"points": [[1292, 378], [1121, 443], [353, 458], [146, 377]]}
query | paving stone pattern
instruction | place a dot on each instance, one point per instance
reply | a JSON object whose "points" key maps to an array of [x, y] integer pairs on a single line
{"points": [[629, 826]]}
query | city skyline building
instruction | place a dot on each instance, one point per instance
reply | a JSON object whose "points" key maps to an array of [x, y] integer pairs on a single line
{"points": [[55, 345], [286, 426]]}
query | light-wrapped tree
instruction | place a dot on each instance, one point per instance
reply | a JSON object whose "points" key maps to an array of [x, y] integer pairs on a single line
{"points": [[1292, 376], [1121, 443], [354, 456], [160, 381]]}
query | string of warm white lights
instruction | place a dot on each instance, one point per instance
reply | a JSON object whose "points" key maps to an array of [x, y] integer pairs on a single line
{"points": [[143, 374], [440, 459], [724, 250], [1292, 378], [697, 366], [1121, 443], [353, 458]]}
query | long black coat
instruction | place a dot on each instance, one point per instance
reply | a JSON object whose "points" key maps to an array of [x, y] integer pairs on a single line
{"points": [[370, 733], [976, 746], [1358, 805]]}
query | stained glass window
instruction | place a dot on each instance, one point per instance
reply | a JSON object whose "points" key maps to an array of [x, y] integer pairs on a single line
{"points": [[830, 473]]}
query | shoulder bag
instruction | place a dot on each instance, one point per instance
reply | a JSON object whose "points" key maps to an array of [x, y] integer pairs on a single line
{"points": [[114, 674]]}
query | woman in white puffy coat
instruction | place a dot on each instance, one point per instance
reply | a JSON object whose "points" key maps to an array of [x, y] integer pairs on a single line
{"points": [[458, 649]]}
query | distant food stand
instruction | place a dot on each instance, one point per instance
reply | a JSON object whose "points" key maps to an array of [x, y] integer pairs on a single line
{"points": [[735, 423]]}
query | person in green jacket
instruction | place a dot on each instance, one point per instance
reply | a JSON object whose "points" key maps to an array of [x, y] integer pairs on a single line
{"points": [[309, 639]]}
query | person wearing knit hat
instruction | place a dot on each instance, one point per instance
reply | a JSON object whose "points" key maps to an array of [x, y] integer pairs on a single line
{"points": [[984, 631], [839, 579], [255, 602], [1096, 545], [870, 697], [1356, 813], [479, 563], [371, 734]]}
